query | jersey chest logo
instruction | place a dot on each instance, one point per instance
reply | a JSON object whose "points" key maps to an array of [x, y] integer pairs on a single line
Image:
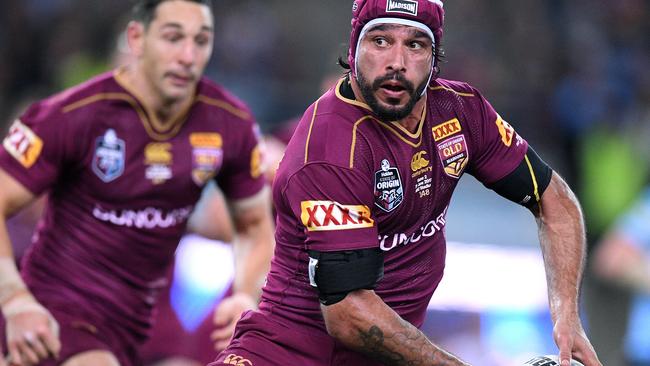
{"points": [[389, 192], [453, 155], [207, 155], [108, 161]]}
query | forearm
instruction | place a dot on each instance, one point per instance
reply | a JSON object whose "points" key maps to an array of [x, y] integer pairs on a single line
{"points": [[252, 255], [562, 238], [253, 247], [363, 322]]}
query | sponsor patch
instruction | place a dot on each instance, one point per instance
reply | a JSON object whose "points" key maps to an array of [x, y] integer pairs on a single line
{"points": [[330, 215], [257, 161], [409, 7], [419, 161], [446, 129], [158, 158], [453, 155], [505, 130], [23, 144], [206, 139], [108, 161], [388, 189], [207, 156], [233, 359]]}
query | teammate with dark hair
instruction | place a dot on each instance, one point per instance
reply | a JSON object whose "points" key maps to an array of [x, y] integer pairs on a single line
{"points": [[362, 194], [124, 157]]}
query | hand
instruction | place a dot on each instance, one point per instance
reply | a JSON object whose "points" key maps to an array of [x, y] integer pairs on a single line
{"points": [[572, 341], [226, 316], [32, 332]]}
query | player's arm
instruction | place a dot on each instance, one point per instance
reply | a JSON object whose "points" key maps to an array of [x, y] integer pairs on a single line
{"points": [[32, 333], [360, 319], [254, 244], [252, 250], [562, 237], [620, 260], [211, 218]]}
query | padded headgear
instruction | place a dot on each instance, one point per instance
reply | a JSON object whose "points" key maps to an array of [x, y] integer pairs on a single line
{"points": [[425, 14]]}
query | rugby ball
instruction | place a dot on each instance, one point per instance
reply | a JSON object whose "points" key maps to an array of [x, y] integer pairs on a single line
{"points": [[548, 360]]}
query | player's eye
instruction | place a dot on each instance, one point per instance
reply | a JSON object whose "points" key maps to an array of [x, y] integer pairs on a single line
{"points": [[173, 37], [202, 40], [380, 41], [416, 45]]}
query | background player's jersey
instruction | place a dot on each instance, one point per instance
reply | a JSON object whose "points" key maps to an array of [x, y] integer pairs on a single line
{"points": [[349, 181], [121, 187]]}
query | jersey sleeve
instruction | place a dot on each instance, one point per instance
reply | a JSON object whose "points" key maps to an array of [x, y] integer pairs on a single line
{"points": [[497, 149], [34, 149], [333, 207], [244, 171]]}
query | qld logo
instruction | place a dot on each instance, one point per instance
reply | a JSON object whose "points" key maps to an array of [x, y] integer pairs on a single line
{"points": [[108, 161], [388, 187]]}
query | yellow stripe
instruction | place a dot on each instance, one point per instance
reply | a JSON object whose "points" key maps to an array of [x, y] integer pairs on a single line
{"points": [[354, 138], [311, 125], [349, 101], [223, 105], [532, 175], [440, 87], [159, 136]]}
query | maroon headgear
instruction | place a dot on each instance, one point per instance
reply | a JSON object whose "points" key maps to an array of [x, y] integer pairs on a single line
{"points": [[427, 15]]}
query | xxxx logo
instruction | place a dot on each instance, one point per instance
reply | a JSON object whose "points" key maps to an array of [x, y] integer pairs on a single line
{"points": [[233, 359], [330, 215], [446, 129], [419, 161]]}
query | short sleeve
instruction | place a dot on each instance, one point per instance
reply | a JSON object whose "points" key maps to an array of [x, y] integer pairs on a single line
{"points": [[498, 149], [635, 224], [333, 205], [244, 172], [33, 151]]}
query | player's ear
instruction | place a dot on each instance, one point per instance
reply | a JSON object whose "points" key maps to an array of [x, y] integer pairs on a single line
{"points": [[135, 33]]}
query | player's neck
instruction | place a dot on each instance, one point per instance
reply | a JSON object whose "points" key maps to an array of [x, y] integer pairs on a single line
{"points": [[162, 109]]}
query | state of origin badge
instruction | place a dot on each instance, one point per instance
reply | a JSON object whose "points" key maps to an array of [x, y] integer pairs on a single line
{"points": [[389, 192]]}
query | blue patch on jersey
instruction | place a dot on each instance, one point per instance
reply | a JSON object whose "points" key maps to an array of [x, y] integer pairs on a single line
{"points": [[108, 161]]}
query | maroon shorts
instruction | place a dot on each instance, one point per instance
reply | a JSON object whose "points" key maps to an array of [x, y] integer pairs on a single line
{"points": [[260, 341], [78, 336]]}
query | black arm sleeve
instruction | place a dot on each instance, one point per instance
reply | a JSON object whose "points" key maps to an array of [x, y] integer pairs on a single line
{"points": [[335, 274], [526, 184]]}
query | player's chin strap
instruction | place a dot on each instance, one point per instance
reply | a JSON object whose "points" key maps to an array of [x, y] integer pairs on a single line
{"points": [[15, 298]]}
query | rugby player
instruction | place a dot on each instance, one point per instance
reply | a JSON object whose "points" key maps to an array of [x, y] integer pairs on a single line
{"points": [[124, 158], [362, 195]]}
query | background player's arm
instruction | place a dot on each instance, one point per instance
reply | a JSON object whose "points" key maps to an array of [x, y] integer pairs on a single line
{"points": [[32, 333], [363, 322], [252, 249], [211, 218], [620, 260], [562, 237]]}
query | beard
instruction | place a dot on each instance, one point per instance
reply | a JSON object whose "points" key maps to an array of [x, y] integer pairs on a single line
{"points": [[393, 112]]}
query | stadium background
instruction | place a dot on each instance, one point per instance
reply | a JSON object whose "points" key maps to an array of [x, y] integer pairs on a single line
{"points": [[570, 75]]}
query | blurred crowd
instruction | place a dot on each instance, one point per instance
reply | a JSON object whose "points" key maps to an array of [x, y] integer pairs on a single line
{"points": [[570, 75]]}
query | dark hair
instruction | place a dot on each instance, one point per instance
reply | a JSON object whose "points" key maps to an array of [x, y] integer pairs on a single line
{"points": [[144, 11], [438, 54]]}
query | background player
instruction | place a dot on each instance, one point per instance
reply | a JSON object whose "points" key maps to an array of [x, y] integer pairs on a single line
{"points": [[362, 195], [124, 157]]}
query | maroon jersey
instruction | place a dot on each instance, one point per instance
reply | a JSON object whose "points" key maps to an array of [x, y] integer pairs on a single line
{"points": [[122, 186], [350, 181]]}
